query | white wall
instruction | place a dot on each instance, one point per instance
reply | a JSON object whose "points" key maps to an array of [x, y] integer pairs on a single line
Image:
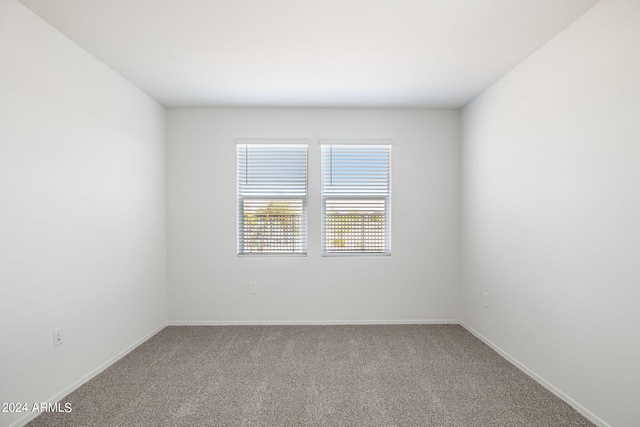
{"points": [[550, 209], [208, 281], [551, 213], [82, 212]]}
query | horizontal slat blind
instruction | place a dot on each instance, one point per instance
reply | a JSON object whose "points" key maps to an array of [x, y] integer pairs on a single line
{"points": [[272, 170], [356, 199], [272, 198]]}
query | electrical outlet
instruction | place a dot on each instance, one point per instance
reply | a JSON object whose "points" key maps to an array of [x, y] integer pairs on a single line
{"points": [[57, 337], [252, 287], [485, 299]]}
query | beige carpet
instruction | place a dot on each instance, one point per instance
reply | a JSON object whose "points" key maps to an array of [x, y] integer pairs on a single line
{"points": [[378, 375]]}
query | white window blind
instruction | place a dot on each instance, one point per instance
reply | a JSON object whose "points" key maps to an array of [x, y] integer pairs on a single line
{"points": [[356, 199], [272, 198]]}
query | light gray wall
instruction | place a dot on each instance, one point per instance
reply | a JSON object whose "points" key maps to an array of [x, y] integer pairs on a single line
{"points": [[82, 212], [551, 213], [208, 281]]}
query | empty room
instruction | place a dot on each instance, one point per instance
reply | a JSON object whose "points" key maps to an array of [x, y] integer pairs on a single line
{"points": [[320, 213]]}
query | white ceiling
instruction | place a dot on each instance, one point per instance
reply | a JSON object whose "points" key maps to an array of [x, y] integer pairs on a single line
{"points": [[311, 53]]}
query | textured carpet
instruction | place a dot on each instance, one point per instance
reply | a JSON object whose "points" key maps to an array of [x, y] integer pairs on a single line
{"points": [[374, 375]]}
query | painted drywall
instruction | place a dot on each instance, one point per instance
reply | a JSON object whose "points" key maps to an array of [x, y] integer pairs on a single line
{"points": [[82, 212], [208, 282], [551, 213]]}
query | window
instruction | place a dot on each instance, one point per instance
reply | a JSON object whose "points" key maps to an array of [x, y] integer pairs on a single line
{"points": [[356, 199], [272, 198]]}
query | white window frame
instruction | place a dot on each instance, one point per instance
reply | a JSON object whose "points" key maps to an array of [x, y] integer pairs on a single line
{"points": [[264, 186], [369, 195]]}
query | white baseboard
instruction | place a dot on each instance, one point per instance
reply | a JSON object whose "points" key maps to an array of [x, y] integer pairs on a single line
{"points": [[546, 384], [24, 420], [588, 414], [313, 322]]}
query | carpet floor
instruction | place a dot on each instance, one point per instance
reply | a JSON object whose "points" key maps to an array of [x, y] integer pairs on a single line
{"points": [[364, 375]]}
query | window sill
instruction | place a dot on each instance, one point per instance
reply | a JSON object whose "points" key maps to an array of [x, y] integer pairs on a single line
{"points": [[261, 255], [358, 254]]}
